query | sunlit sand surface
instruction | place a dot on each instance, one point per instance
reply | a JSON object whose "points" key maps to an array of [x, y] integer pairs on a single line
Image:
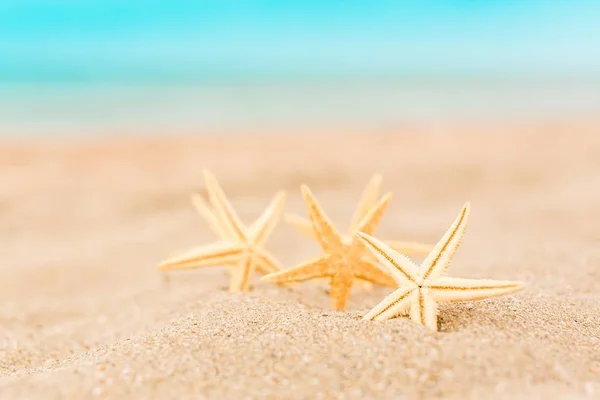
{"points": [[85, 313]]}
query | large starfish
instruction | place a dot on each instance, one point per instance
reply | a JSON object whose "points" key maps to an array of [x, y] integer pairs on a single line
{"points": [[367, 201], [240, 247], [422, 288], [345, 258]]}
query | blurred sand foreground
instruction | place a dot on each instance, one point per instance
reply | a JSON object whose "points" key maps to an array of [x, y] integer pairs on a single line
{"points": [[85, 314]]}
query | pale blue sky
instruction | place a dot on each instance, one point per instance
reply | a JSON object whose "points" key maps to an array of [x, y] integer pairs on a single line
{"points": [[115, 39]]}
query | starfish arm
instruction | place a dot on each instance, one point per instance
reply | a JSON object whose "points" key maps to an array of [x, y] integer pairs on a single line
{"points": [[263, 226], [267, 261], [400, 267], [424, 309], [447, 289], [264, 269], [394, 304], [315, 268], [240, 276], [222, 253], [205, 212], [369, 271], [178, 254], [409, 248], [437, 261], [301, 224], [327, 235], [230, 220], [339, 291], [367, 200], [368, 223]]}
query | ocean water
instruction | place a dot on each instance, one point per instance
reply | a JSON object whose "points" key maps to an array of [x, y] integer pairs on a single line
{"points": [[86, 108]]}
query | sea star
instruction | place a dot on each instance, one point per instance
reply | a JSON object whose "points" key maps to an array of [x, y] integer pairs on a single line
{"points": [[422, 288], [345, 258], [241, 246], [367, 201], [216, 224]]}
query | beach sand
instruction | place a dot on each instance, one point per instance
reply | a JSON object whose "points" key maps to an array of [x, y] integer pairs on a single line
{"points": [[84, 313]]}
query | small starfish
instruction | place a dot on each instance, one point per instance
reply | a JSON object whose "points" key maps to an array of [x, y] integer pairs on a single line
{"points": [[241, 246], [216, 224], [344, 258], [422, 288], [365, 204]]}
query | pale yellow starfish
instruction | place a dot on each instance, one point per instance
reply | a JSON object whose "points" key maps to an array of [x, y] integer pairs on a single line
{"points": [[215, 222], [241, 246], [345, 258], [367, 201], [422, 288]]}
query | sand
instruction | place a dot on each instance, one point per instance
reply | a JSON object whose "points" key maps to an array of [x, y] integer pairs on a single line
{"points": [[85, 314]]}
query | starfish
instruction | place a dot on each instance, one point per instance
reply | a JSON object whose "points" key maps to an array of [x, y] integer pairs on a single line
{"points": [[367, 201], [240, 247], [344, 259], [365, 204], [422, 288], [216, 224]]}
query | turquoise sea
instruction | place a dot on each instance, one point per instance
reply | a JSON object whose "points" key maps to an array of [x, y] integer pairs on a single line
{"points": [[85, 108], [105, 67]]}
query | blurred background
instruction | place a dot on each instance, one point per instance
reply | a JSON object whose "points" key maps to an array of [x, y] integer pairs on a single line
{"points": [[81, 68]]}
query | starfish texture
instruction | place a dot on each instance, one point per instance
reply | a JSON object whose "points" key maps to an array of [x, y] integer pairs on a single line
{"points": [[345, 258], [422, 288], [240, 247], [367, 201]]}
